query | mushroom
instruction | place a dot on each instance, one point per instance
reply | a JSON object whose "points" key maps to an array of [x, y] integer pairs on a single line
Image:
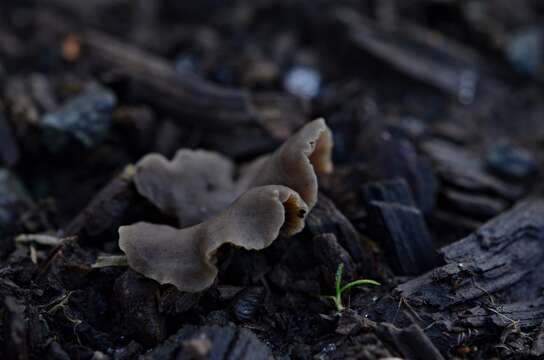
{"points": [[195, 185], [186, 257], [295, 163], [273, 194], [198, 184]]}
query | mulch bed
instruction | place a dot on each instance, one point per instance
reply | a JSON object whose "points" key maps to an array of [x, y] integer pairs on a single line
{"points": [[436, 111]]}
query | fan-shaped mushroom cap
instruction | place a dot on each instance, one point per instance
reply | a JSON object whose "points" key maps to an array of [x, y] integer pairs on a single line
{"points": [[198, 184], [194, 186], [295, 163], [186, 257]]}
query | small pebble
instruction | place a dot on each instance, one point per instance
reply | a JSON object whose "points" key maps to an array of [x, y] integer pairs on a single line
{"points": [[326, 351], [186, 63], [510, 161], [85, 119], [199, 346], [71, 48], [247, 302], [303, 82], [525, 51]]}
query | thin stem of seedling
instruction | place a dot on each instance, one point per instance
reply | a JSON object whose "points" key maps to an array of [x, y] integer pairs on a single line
{"points": [[337, 298]]}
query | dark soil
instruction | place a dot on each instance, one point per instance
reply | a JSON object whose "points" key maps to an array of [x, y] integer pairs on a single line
{"points": [[437, 113]]}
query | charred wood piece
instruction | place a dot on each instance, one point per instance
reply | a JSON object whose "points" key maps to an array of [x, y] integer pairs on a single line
{"points": [[408, 243]]}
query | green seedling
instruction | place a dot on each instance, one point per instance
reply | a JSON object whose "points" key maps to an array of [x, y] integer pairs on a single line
{"points": [[337, 298]]}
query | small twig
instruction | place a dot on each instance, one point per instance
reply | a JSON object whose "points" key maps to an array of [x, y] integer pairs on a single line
{"points": [[412, 310], [513, 323], [33, 254], [491, 298], [110, 260], [45, 240], [46, 264], [61, 303], [42, 239]]}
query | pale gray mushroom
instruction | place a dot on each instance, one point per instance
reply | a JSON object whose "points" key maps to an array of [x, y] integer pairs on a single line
{"points": [[195, 185], [295, 163], [198, 184], [272, 194], [186, 257]]}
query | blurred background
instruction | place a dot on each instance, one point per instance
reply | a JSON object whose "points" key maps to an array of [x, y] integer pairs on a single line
{"points": [[446, 94], [436, 107]]}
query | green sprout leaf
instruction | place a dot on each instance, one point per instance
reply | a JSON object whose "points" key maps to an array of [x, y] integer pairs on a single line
{"points": [[337, 298], [339, 272], [359, 282]]}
